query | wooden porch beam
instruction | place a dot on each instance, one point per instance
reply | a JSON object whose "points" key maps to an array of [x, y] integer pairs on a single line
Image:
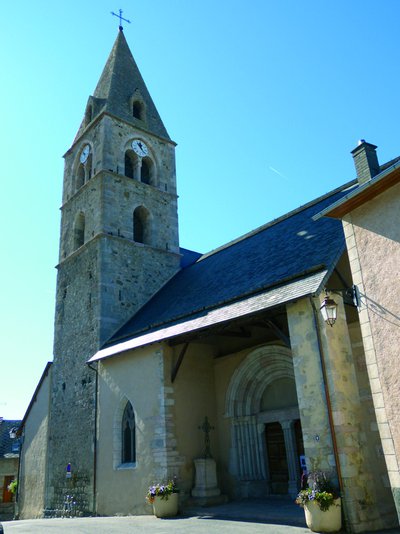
{"points": [[179, 361], [275, 328]]}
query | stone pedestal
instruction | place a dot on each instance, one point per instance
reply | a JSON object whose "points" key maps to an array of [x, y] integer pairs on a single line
{"points": [[206, 491], [206, 484]]}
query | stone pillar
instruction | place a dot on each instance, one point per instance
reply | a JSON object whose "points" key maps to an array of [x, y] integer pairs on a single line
{"points": [[359, 491], [346, 412], [137, 168], [291, 457], [309, 385]]}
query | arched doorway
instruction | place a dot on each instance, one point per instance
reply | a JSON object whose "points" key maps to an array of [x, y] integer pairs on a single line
{"points": [[266, 439]]}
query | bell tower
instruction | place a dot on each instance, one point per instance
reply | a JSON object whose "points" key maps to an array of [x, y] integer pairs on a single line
{"points": [[118, 246]]}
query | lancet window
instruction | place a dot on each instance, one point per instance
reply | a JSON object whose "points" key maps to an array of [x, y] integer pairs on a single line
{"points": [[128, 453]]}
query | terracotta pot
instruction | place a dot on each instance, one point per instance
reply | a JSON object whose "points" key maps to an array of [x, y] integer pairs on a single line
{"points": [[166, 507], [328, 521]]}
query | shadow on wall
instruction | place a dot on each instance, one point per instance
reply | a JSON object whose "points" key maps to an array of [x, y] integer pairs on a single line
{"points": [[380, 311]]}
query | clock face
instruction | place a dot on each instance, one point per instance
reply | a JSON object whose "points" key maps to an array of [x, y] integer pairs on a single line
{"points": [[140, 148], [85, 154]]}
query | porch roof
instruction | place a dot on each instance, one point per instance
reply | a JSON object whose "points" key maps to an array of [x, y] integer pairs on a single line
{"points": [[281, 261], [275, 296]]}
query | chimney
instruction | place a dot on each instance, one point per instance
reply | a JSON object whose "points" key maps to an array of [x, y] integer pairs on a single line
{"points": [[366, 161]]}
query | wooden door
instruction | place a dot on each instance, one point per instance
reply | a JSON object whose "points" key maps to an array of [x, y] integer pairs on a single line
{"points": [[7, 495], [278, 469]]}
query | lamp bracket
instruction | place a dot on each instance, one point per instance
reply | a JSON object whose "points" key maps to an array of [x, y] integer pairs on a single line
{"points": [[350, 295]]}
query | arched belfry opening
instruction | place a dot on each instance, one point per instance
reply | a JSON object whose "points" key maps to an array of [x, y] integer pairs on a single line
{"points": [[84, 169], [80, 177], [88, 167], [79, 230], [139, 168], [266, 440], [146, 175], [141, 225], [138, 110], [131, 162]]}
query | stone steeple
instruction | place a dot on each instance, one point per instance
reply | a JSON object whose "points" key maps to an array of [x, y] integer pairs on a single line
{"points": [[119, 245], [121, 84]]}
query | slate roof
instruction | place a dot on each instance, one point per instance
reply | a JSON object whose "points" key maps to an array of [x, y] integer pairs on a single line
{"points": [[118, 82], [282, 260], [8, 445]]}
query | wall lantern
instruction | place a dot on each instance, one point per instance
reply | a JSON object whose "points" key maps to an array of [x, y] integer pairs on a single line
{"points": [[351, 297], [329, 310], [13, 433]]}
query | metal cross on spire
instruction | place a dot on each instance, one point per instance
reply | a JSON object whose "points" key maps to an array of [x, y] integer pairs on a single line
{"points": [[121, 18], [206, 427]]}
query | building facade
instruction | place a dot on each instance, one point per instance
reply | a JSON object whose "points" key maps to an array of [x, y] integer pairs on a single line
{"points": [[370, 216], [9, 459], [151, 338]]}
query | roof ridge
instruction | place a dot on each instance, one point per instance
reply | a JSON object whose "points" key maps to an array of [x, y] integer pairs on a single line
{"points": [[275, 221]]}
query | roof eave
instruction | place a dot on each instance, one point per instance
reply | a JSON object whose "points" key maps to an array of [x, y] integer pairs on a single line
{"points": [[33, 399], [365, 192]]}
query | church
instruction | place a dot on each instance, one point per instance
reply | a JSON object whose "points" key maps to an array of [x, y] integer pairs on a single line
{"points": [[151, 340]]}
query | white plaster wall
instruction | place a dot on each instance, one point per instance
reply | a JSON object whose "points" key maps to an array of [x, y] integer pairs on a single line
{"points": [[138, 377], [33, 457], [194, 394], [224, 370]]}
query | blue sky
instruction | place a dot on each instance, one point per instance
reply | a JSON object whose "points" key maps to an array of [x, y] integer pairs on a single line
{"points": [[265, 99]]}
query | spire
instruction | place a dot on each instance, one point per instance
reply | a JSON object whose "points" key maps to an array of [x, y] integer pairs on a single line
{"points": [[119, 85]]}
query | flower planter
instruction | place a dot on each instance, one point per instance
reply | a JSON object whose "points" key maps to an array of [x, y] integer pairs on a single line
{"points": [[165, 507], [328, 521]]}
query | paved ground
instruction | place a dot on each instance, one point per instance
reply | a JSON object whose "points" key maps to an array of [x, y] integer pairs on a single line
{"points": [[252, 517], [144, 525]]}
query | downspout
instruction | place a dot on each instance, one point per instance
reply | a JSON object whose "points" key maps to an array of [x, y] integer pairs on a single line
{"points": [[328, 397], [95, 437], [21, 438]]}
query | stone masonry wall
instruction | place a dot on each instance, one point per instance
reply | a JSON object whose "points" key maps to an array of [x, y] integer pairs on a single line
{"points": [[76, 338], [372, 444], [360, 496], [373, 242]]}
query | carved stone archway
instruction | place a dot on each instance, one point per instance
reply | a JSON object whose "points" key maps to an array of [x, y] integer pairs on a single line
{"points": [[248, 463]]}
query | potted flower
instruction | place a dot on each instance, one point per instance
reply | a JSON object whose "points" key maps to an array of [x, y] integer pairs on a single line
{"points": [[12, 487], [164, 498], [321, 503]]}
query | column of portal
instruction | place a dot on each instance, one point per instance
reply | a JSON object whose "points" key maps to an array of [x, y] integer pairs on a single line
{"points": [[137, 167], [291, 457]]}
